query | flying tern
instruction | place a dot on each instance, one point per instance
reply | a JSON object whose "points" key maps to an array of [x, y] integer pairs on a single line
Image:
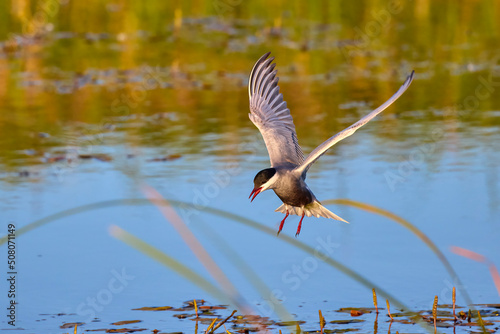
{"points": [[287, 174]]}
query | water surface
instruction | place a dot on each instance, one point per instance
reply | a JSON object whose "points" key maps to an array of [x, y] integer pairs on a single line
{"points": [[96, 100]]}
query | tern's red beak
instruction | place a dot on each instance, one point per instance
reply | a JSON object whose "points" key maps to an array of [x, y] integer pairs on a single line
{"points": [[255, 192]]}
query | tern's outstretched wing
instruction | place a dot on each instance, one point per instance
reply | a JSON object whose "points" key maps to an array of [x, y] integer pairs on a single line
{"points": [[321, 149], [270, 114]]}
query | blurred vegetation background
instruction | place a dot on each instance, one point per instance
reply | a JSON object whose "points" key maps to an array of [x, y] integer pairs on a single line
{"points": [[70, 69]]}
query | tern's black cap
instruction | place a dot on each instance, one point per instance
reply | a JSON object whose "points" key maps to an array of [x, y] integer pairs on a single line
{"points": [[263, 176]]}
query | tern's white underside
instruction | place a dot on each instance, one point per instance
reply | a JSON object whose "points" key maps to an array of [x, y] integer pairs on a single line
{"points": [[313, 209]]}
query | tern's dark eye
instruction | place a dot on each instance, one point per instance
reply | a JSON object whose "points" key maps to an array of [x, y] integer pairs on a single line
{"points": [[263, 176]]}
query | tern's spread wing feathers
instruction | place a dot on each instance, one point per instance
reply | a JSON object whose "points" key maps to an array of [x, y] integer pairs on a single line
{"points": [[268, 111], [321, 149]]}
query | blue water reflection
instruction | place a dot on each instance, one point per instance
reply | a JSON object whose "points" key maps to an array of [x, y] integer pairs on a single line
{"points": [[66, 266]]}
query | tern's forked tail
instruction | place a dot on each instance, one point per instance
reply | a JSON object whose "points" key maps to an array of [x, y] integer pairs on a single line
{"points": [[313, 209]]}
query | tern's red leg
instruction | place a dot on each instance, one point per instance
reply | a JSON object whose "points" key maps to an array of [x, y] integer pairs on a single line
{"points": [[300, 224], [282, 223]]}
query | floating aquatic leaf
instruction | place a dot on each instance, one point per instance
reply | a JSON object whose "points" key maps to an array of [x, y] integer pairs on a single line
{"points": [[205, 320], [405, 314], [289, 323], [71, 324], [344, 330], [488, 305], [153, 308], [347, 321], [404, 321], [125, 322], [449, 306], [359, 309], [125, 330], [252, 319], [212, 307], [97, 330], [445, 324]]}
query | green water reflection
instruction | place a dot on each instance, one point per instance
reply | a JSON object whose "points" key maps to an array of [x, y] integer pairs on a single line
{"points": [[159, 72]]}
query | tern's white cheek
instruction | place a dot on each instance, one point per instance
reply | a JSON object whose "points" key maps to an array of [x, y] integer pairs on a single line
{"points": [[271, 183]]}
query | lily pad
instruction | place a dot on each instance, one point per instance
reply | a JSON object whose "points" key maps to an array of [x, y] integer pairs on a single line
{"points": [[71, 324], [125, 322], [347, 321], [153, 308]]}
